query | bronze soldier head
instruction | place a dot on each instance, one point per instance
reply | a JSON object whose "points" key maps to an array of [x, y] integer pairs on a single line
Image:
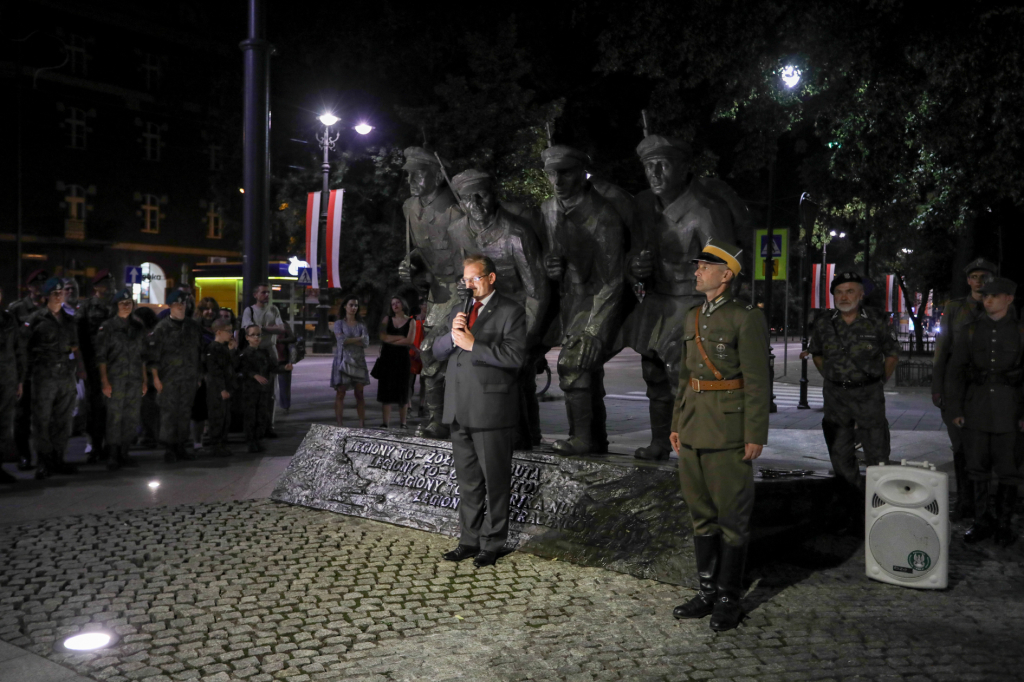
{"points": [[666, 164], [476, 191], [424, 171], [566, 170]]}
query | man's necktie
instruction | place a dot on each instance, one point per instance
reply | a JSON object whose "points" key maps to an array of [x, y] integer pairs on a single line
{"points": [[477, 305]]}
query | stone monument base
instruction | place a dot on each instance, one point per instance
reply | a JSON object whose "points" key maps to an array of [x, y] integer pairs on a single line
{"points": [[612, 512]]}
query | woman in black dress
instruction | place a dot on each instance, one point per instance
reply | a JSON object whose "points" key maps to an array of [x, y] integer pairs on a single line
{"points": [[391, 370]]}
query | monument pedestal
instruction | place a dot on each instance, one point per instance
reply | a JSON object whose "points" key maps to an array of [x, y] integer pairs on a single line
{"points": [[612, 512]]}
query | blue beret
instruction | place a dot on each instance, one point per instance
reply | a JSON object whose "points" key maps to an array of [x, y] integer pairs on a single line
{"points": [[53, 284]]}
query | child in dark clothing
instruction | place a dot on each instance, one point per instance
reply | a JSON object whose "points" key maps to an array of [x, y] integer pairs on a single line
{"points": [[256, 367], [221, 384]]}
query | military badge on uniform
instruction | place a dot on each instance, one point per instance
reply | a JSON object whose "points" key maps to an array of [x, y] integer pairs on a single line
{"points": [[720, 351]]}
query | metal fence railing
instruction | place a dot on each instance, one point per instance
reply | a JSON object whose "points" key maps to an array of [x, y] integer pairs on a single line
{"points": [[908, 343]]}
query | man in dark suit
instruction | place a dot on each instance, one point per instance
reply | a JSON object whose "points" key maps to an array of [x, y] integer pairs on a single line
{"points": [[484, 350]]}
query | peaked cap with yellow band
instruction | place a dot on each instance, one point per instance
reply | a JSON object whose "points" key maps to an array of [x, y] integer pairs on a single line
{"points": [[722, 252]]}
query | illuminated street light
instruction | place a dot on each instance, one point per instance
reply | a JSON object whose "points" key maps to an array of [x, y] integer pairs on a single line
{"points": [[364, 128], [329, 119], [790, 75]]}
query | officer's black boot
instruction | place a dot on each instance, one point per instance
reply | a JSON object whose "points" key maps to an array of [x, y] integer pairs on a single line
{"points": [[728, 612], [964, 486], [435, 408], [661, 427], [578, 403], [1006, 499], [984, 525], [113, 457], [706, 550]]}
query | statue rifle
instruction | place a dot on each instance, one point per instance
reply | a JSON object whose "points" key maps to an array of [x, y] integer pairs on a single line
{"points": [[638, 287], [447, 180]]}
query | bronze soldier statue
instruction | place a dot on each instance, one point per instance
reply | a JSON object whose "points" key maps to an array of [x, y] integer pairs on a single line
{"points": [[428, 213], [678, 215], [587, 246], [509, 240], [955, 315]]}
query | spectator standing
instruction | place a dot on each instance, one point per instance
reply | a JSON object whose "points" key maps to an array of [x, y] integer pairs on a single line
{"points": [[268, 317], [349, 367], [12, 376], [392, 367], [120, 344], [221, 385], [206, 314], [257, 365]]}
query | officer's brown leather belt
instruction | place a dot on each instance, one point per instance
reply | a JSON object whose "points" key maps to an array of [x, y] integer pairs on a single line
{"points": [[724, 385]]}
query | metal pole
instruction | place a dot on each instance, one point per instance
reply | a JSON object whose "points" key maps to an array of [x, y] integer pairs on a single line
{"points": [[19, 238], [808, 213], [255, 153], [769, 279], [322, 336]]}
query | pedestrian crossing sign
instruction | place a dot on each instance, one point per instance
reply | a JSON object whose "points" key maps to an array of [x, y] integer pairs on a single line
{"points": [[779, 256], [305, 277]]}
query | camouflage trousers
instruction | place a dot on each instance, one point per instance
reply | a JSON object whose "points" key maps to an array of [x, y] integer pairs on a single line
{"points": [[855, 415], [257, 404], [96, 414], [175, 403], [53, 402], [8, 406], [219, 415], [123, 408]]}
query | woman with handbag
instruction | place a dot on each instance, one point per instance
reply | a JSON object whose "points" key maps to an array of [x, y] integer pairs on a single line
{"points": [[349, 368]]}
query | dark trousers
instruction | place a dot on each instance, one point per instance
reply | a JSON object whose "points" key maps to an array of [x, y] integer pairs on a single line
{"points": [[483, 469], [257, 408], [8, 406], [855, 415], [718, 487], [988, 452], [53, 402], [123, 410], [284, 390], [96, 414], [23, 421], [219, 415]]}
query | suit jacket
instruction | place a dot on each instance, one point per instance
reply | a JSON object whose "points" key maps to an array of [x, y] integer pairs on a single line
{"points": [[481, 386]]}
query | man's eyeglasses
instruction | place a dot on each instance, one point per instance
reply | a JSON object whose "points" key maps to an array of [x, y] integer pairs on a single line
{"points": [[471, 280]]}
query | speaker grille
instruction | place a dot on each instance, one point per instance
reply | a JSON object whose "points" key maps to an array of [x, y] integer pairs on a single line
{"points": [[933, 507], [877, 501]]}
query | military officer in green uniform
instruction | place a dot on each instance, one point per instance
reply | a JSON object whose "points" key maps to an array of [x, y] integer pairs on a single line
{"points": [[175, 361], [955, 314], [985, 377], [96, 310], [12, 376], [120, 345], [428, 213], [719, 426], [22, 309], [856, 352], [50, 338], [587, 238]]}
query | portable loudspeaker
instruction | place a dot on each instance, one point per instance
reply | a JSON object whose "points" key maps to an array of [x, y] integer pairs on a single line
{"points": [[906, 521]]}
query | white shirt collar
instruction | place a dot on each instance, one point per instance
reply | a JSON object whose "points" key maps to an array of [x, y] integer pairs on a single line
{"points": [[487, 299]]}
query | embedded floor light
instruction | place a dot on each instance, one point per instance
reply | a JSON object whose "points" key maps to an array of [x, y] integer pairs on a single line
{"points": [[86, 641], [153, 485]]}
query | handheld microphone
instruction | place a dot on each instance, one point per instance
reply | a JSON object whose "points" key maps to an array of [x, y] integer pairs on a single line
{"points": [[467, 299]]}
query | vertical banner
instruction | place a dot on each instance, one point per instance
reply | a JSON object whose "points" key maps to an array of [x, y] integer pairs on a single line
{"points": [[816, 288], [890, 280], [312, 235], [337, 197]]}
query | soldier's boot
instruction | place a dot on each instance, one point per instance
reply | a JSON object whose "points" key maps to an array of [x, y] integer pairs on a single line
{"points": [[706, 551], [728, 611], [964, 508], [577, 404], [113, 457], [1006, 499], [984, 525], [661, 427], [435, 408]]}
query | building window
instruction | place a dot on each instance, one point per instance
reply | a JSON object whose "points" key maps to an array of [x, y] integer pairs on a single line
{"points": [[78, 57], [150, 213], [76, 128], [216, 162], [214, 223], [74, 220], [151, 141], [151, 70]]}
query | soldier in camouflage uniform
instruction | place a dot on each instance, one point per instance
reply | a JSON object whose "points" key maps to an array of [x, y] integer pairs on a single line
{"points": [[428, 213], [256, 366], [221, 385], [175, 361], [955, 314], [719, 426], [985, 377], [50, 338], [96, 310], [856, 352], [508, 239], [120, 345], [677, 217], [587, 237], [12, 376], [22, 309]]}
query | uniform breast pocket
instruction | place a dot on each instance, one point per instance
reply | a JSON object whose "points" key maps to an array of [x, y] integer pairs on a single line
{"points": [[730, 402], [720, 345]]}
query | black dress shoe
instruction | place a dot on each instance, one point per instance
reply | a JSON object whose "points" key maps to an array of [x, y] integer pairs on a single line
{"points": [[485, 558], [461, 552]]}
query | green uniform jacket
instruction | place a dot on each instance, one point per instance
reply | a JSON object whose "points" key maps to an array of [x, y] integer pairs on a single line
{"points": [[735, 338], [90, 317], [221, 368], [955, 314], [853, 352], [985, 374], [120, 344], [175, 349], [50, 339], [12, 351]]}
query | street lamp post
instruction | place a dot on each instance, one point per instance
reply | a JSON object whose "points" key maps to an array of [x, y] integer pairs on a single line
{"points": [[808, 214], [322, 337]]}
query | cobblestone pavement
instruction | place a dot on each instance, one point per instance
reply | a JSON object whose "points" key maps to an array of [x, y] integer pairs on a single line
{"points": [[262, 591]]}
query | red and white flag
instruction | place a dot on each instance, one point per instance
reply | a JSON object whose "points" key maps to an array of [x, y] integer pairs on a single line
{"points": [[816, 288], [334, 237], [312, 232]]}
